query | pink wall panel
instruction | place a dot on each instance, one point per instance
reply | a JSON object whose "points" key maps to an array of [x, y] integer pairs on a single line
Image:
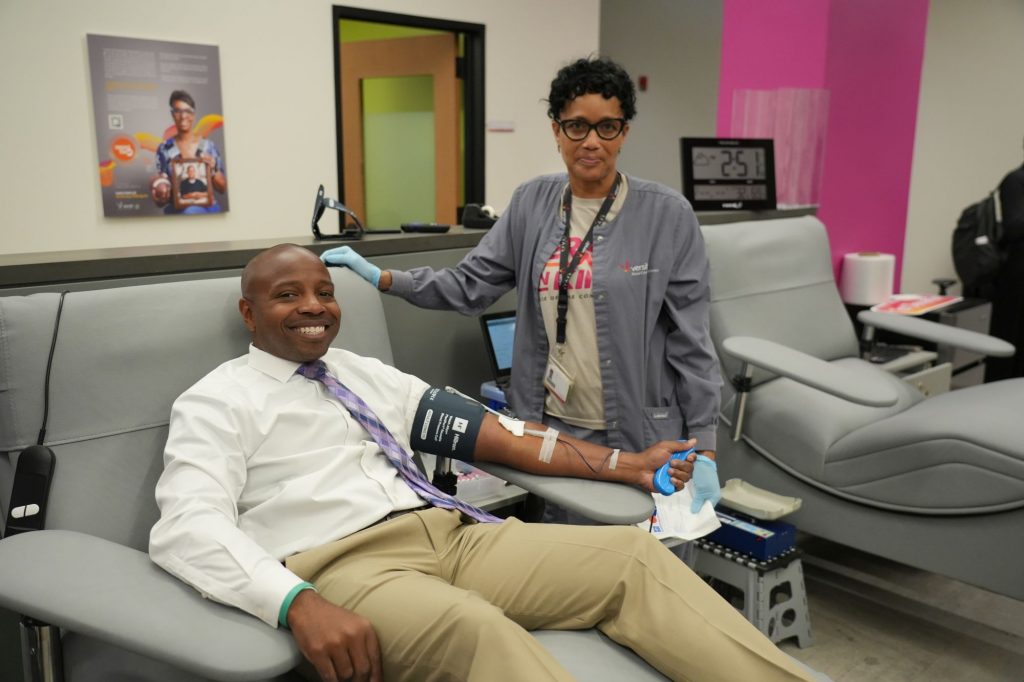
{"points": [[876, 50], [767, 45], [868, 55], [797, 120]]}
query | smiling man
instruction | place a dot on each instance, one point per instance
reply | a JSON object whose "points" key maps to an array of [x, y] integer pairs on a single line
{"points": [[290, 311], [286, 493]]}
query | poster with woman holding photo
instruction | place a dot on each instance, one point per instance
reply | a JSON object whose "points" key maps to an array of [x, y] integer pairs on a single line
{"points": [[144, 163]]}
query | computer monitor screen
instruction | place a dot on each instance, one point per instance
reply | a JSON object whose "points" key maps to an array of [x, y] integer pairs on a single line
{"points": [[499, 333]]}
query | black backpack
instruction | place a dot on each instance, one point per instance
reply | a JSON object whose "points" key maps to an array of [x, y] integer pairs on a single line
{"points": [[977, 246]]}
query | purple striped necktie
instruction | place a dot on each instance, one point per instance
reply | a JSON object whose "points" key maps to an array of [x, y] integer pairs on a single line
{"points": [[395, 453]]}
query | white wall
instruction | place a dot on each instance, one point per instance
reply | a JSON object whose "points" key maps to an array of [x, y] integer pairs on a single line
{"points": [[970, 125], [277, 73], [677, 44]]}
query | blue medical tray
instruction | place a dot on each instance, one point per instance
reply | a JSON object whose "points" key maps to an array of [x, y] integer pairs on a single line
{"points": [[763, 540]]}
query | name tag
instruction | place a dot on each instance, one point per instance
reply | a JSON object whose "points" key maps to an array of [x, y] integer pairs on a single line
{"points": [[557, 380]]}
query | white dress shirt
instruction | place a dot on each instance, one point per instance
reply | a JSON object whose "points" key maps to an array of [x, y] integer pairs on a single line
{"points": [[262, 463]]}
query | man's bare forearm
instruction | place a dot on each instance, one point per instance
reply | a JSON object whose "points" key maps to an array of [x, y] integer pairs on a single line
{"points": [[574, 457]]}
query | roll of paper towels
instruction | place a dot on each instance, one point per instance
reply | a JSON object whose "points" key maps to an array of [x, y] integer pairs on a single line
{"points": [[866, 277]]}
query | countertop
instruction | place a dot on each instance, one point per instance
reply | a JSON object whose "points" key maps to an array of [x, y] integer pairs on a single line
{"points": [[56, 267]]}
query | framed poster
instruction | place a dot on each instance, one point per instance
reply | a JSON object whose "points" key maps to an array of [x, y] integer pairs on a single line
{"points": [[157, 108]]}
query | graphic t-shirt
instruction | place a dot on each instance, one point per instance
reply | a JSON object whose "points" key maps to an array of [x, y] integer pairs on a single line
{"points": [[584, 406]]}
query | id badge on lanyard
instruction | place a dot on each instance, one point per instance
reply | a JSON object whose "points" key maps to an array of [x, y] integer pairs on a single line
{"points": [[556, 379]]}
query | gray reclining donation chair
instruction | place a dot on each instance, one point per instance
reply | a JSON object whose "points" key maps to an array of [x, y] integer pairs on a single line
{"points": [[935, 483], [120, 359]]}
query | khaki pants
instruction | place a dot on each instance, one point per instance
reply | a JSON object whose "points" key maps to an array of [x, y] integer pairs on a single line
{"points": [[454, 601]]}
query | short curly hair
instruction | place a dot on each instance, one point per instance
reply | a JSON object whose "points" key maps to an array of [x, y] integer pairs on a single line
{"points": [[181, 96], [595, 75]]}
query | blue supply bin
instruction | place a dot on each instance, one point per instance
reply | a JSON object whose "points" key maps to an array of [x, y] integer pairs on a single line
{"points": [[493, 396], [763, 540]]}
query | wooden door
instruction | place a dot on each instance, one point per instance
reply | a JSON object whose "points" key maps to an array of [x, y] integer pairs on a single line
{"points": [[432, 56]]}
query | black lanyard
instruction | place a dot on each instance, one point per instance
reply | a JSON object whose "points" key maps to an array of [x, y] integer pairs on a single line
{"points": [[567, 268]]}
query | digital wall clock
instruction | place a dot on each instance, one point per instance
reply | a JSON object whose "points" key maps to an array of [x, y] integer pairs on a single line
{"points": [[721, 174]]}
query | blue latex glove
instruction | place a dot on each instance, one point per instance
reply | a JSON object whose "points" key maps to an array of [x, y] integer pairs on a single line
{"points": [[705, 483], [346, 257]]}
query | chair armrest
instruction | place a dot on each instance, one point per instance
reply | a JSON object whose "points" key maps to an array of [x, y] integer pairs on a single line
{"points": [[937, 333], [856, 387], [604, 501], [912, 359], [117, 594]]}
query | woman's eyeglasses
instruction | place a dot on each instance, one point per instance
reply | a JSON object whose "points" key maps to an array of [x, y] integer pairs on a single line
{"points": [[576, 129], [183, 112]]}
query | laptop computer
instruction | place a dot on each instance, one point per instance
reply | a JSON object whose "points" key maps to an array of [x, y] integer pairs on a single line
{"points": [[499, 331]]}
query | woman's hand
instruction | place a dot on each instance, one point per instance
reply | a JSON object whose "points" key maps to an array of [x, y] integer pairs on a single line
{"points": [[706, 487], [346, 257], [220, 183]]}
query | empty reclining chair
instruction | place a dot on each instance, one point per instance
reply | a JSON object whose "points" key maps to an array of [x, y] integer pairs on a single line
{"points": [[937, 483], [121, 358]]}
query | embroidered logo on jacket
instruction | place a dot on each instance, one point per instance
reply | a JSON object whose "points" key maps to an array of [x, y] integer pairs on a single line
{"points": [[636, 270]]}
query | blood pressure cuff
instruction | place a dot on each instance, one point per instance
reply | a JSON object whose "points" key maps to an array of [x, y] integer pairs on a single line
{"points": [[447, 425]]}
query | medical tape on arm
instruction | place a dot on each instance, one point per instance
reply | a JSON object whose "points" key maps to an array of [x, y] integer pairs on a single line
{"points": [[547, 446], [516, 427]]}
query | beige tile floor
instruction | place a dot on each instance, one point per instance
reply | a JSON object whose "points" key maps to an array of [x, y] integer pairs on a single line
{"points": [[877, 621]]}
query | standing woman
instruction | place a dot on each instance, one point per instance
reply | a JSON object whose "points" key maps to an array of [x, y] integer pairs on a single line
{"points": [[612, 342]]}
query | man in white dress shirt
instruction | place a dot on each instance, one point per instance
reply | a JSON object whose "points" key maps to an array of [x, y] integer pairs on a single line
{"points": [[275, 500]]}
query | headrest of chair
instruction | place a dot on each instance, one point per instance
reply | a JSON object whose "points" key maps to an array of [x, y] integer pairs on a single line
{"points": [[123, 355], [26, 327], [767, 255], [772, 279], [364, 328]]}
